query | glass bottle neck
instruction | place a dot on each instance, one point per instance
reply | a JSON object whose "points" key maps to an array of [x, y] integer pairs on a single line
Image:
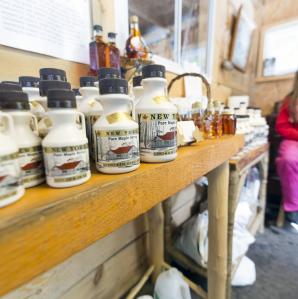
{"points": [[134, 29]]}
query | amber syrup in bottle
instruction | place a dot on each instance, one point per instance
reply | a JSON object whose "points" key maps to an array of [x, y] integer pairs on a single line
{"points": [[97, 50], [197, 115], [228, 121], [217, 121], [112, 52], [208, 121], [135, 44]]}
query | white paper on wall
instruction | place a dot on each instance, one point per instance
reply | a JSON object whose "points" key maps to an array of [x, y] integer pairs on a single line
{"points": [[53, 27]]}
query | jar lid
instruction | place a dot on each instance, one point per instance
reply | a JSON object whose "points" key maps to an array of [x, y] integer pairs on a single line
{"points": [[61, 98], [14, 100], [87, 81], [46, 85], [52, 74], [10, 82], [97, 27], [28, 81], [10, 87], [111, 35], [113, 86], [136, 81], [108, 72], [154, 71]]}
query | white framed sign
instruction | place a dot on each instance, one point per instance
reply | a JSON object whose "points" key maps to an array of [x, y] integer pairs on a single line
{"points": [[52, 27]]}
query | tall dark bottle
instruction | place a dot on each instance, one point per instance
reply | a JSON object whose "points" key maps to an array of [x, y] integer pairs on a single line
{"points": [[97, 49]]}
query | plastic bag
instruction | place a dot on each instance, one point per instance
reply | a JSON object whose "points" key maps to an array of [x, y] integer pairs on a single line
{"points": [[245, 274], [193, 240]]}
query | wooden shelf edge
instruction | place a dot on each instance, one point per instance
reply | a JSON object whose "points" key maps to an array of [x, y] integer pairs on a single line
{"points": [[50, 225]]}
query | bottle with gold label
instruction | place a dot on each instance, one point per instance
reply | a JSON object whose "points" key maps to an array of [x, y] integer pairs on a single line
{"points": [[30, 85], [116, 134], [30, 153], [135, 44], [11, 186], [90, 106], [157, 117], [65, 148]]}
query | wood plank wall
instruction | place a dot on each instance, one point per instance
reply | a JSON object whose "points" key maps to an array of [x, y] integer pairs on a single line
{"points": [[265, 94]]}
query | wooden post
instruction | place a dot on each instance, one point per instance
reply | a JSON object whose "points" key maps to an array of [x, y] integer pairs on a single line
{"points": [[263, 188], [156, 235], [218, 231]]}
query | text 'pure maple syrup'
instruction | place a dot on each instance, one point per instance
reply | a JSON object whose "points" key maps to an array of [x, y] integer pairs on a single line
{"points": [[135, 44]]}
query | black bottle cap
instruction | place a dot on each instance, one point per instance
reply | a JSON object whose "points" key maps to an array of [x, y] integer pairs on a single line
{"points": [[113, 86], [226, 107], [136, 81], [28, 81], [14, 100], [256, 108], [87, 81], [61, 98], [52, 74], [97, 27], [46, 85], [154, 71], [76, 91], [108, 73], [10, 87], [111, 35]]}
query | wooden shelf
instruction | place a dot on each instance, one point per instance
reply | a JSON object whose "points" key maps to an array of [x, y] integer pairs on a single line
{"points": [[250, 157], [49, 225]]}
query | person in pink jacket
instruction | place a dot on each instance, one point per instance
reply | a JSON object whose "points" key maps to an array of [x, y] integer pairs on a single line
{"points": [[287, 160]]}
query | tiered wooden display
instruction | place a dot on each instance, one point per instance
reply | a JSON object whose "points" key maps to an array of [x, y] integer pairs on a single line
{"points": [[49, 225], [239, 169]]}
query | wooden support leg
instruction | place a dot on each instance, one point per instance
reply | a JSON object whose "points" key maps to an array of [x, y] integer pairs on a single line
{"points": [[156, 235], [218, 231], [263, 189], [236, 182]]}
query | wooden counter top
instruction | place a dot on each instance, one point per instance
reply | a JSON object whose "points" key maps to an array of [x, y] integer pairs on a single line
{"points": [[49, 225]]}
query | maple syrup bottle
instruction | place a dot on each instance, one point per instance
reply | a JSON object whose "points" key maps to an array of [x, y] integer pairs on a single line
{"points": [[30, 158], [217, 121], [97, 49], [112, 52], [197, 115], [135, 44], [157, 117], [208, 121], [228, 121], [116, 134], [65, 148]]}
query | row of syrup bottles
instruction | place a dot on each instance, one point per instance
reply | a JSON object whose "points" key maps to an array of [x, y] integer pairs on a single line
{"points": [[65, 147]]}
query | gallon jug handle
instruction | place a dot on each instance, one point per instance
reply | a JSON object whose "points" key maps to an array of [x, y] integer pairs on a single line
{"points": [[82, 120], [35, 124], [9, 125]]}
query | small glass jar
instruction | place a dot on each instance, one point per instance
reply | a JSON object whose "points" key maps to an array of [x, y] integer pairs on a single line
{"points": [[228, 121]]}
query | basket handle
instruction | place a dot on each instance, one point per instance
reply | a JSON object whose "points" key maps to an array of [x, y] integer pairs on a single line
{"points": [[205, 81]]}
